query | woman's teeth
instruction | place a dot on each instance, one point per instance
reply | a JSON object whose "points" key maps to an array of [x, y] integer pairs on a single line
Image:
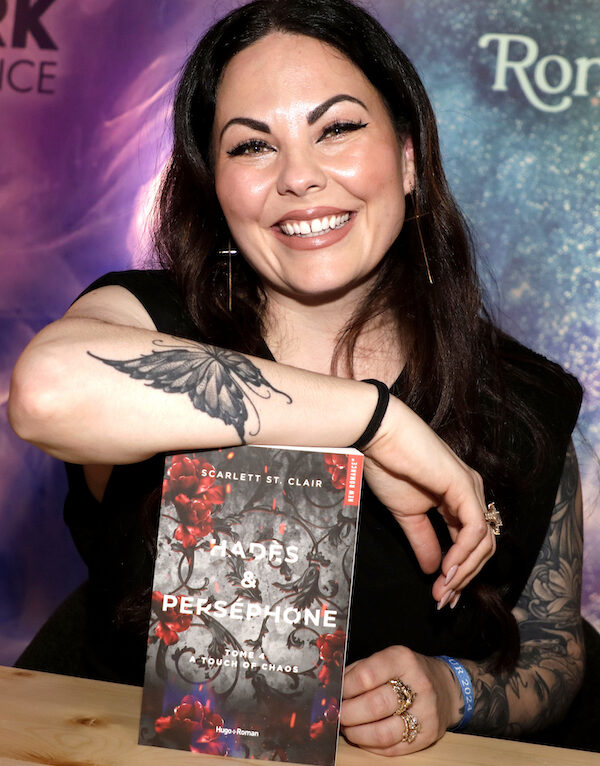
{"points": [[316, 226]]}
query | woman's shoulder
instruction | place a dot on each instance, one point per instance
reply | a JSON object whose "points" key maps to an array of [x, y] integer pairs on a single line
{"points": [[542, 385], [157, 291], [143, 283], [529, 411]]}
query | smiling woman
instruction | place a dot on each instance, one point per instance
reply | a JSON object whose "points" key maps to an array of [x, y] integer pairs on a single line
{"points": [[314, 191], [306, 153]]}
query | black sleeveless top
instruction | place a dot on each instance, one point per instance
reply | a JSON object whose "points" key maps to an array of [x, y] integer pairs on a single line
{"points": [[391, 602]]}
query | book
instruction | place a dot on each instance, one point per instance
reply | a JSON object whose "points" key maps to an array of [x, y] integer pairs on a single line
{"points": [[250, 603]]}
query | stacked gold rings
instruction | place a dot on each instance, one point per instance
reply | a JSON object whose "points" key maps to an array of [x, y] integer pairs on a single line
{"points": [[405, 697]]}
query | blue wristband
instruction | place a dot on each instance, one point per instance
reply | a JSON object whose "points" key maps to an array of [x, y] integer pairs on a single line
{"points": [[466, 687]]}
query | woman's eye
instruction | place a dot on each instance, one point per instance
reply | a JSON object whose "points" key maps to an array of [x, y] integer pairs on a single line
{"points": [[250, 148], [341, 128]]}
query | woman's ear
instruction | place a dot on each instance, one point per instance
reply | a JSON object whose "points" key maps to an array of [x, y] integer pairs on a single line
{"points": [[408, 166]]}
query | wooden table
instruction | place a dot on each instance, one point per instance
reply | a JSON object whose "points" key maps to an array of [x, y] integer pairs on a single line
{"points": [[62, 721]]}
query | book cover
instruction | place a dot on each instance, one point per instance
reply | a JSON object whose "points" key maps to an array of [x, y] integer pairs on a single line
{"points": [[250, 602]]}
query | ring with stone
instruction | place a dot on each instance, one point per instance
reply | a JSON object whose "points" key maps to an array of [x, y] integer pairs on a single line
{"points": [[492, 518], [412, 727], [404, 695]]}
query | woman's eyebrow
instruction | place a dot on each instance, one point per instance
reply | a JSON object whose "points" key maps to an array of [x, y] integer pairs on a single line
{"points": [[311, 118], [248, 122], [320, 110]]}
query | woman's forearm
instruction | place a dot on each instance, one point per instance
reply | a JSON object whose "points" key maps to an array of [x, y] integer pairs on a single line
{"points": [[550, 668], [92, 392], [533, 696]]}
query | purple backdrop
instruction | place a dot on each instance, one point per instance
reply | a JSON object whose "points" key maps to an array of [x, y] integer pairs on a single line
{"points": [[85, 88]]}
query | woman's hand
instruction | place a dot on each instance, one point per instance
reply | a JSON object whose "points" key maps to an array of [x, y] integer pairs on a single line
{"points": [[411, 470], [369, 702]]}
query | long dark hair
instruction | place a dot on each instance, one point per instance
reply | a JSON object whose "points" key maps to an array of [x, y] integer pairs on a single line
{"points": [[192, 227], [451, 366]]}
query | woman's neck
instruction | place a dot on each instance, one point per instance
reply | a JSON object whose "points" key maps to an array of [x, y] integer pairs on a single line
{"points": [[306, 336]]}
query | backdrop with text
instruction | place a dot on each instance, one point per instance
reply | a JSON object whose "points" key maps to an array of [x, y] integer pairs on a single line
{"points": [[85, 91]]}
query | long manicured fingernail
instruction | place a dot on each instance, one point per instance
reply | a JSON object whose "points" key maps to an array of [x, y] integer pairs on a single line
{"points": [[454, 601], [451, 572], [444, 600]]}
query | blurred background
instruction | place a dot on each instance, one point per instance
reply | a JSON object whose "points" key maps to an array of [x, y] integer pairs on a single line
{"points": [[85, 92]]}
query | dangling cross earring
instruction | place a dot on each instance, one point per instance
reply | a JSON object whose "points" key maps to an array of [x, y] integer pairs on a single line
{"points": [[229, 252], [416, 215]]}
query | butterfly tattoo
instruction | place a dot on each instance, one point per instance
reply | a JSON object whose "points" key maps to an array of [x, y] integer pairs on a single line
{"points": [[218, 381]]}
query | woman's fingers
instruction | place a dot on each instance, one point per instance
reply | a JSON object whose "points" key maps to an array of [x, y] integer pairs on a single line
{"points": [[469, 568], [372, 705], [473, 543], [368, 674], [423, 540], [467, 537], [379, 736], [370, 702]]}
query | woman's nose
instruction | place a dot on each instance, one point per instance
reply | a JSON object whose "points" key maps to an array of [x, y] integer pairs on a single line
{"points": [[299, 173]]}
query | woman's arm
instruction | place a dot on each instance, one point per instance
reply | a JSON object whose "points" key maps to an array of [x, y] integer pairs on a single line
{"points": [[101, 386], [533, 695], [550, 669]]}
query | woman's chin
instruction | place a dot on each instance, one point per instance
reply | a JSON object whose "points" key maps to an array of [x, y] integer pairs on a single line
{"points": [[321, 292]]}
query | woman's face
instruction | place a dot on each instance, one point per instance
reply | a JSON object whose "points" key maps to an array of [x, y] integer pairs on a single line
{"points": [[309, 171]]}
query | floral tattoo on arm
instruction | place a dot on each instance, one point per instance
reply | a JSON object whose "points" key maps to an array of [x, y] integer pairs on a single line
{"points": [[549, 670], [219, 382]]}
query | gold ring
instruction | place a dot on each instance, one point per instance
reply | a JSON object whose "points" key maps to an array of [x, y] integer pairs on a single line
{"points": [[412, 727], [492, 518], [404, 694]]}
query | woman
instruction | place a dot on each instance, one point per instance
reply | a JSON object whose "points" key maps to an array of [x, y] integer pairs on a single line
{"points": [[305, 221]]}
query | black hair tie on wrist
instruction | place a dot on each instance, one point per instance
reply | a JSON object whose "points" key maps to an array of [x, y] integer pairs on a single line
{"points": [[380, 410]]}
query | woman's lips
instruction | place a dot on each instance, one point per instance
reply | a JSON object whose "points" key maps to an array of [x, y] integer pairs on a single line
{"points": [[313, 228]]}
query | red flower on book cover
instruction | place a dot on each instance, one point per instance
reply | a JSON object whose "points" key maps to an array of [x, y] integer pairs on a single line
{"points": [[191, 489], [193, 725], [337, 465], [331, 651], [170, 622]]}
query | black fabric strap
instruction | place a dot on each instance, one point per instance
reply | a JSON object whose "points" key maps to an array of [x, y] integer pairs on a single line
{"points": [[380, 410]]}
